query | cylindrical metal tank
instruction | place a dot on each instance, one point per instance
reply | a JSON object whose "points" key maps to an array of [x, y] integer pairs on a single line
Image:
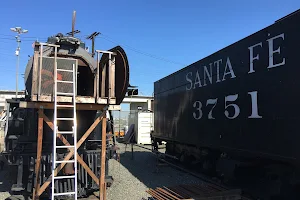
{"points": [[86, 69]]}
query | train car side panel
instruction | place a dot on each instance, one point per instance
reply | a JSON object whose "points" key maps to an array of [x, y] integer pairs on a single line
{"points": [[243, 98]]}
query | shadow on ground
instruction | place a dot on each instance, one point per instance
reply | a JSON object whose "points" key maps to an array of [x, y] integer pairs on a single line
{"points": [[144, 166]]}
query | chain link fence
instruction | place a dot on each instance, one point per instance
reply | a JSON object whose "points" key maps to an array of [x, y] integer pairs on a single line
{"points": [[121, 122]]}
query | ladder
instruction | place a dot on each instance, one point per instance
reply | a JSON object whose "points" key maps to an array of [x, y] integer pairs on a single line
{"points": [[73, 132]]}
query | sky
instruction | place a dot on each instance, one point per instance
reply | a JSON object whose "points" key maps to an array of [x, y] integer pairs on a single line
{"points": [[159, 37]]}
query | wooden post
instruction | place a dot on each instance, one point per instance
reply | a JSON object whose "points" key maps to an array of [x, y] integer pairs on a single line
{"points": [[103, 81], [70, 154], [112, 71], [102, 189], [34, 87], [79, 159], [97, 77], [39, 153]]}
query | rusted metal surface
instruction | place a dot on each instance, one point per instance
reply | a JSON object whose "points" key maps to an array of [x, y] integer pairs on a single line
{"points": [[205, 191], [89, 83]]}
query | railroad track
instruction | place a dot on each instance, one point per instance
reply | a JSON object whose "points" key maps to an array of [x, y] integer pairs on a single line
{"points": [[210, 189], [160, 156]]}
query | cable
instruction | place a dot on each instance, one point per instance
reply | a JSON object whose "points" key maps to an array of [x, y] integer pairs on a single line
{"points": [[143, 53], [105, 37]]}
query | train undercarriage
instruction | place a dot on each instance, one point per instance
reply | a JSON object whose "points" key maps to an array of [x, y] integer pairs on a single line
{"points": [[259, 177]]}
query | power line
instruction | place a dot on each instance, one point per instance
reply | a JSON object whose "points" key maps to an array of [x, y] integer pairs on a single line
{"points": [[105, 37], [143, 53]]}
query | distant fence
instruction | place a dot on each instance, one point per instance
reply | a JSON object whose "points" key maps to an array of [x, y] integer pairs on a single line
{"points": [[121, 122]]}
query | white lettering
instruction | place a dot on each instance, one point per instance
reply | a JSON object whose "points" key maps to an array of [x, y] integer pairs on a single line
{"points": [[214, 103], [198, 106], [217, 63], [207, 74], [228, 64], [272, 51], [253, 58], [197, 80], [231, 111], [189, 80], [254, 107], [231, 98]]}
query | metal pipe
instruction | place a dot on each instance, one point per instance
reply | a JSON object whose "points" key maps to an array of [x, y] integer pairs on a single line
{"points": [[73, 22], [17, 67]]}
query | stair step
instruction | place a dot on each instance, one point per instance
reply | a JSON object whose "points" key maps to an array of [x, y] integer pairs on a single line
{"points": [[65, 146], [64, 70], [64, 177], [65, 106], [64, 93], [65, 161], [65, 119], [65, 132], [64, 193], [59, 81]]}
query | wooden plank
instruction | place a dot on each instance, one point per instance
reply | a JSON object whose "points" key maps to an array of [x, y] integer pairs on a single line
{"points": [[35, 71], [71, 153], [104, 194], [39, 154], [171, 191], [97, 75], [48, 122], [45, 105], [168, 194], [66, 99], [103, 81], [40, 71], [102, 100], [95, 88], [79, 159], [103, 153]]}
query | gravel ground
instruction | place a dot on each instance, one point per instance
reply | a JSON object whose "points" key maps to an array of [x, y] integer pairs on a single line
{"points": [[134, 176], [5, 183]]}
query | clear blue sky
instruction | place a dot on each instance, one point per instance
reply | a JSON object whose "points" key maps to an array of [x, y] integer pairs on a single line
{"points": [[159, 37]]}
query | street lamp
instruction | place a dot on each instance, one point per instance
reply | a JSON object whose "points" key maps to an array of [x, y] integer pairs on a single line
{"points": [[20, 31]]}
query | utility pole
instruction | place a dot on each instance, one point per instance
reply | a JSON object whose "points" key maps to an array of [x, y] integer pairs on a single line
{"points": [[92, 37], [73, 32], [20, 31]]}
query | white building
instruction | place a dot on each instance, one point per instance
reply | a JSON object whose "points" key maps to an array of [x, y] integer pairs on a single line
{"points": [[139, 102], [8, 94]]}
